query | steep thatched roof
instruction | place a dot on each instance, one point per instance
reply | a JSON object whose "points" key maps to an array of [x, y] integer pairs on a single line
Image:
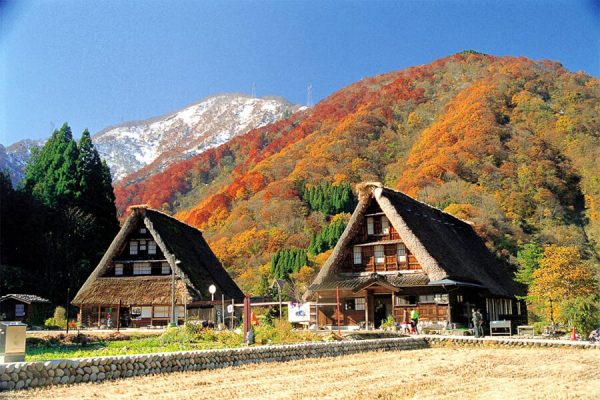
{"points": [[184, 248], [446, 247]]}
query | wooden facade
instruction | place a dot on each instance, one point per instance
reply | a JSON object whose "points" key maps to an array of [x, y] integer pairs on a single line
{"points": [[154, 261], [27, 308], [397, 255]]}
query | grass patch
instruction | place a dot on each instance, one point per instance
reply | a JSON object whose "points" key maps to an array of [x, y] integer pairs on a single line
{"points": [[189, 337]]}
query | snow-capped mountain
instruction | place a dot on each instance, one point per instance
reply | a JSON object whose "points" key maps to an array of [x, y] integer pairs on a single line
{"points": [[14, 157], [159, 142]]}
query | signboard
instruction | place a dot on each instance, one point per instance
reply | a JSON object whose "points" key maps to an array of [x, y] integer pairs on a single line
{"points": [[299, 312], [230, 308]]}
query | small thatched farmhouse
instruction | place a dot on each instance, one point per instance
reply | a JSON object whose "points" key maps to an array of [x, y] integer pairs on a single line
{"points": [[398, 254], [153, 259]]}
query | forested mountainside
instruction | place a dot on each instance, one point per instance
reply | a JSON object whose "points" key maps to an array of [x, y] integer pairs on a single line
{"points": [[509, 143]]}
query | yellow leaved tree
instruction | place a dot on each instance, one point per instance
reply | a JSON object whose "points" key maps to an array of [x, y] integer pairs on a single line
{"points": [[562, 276]]}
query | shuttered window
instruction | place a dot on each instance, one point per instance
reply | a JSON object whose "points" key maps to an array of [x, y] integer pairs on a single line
{"points": [[142, 268], [133, 247], [385, 225], [161, 311], [151, 247], [165, 268], [142, 245], [370, 226], [401, 252], [379, 254], [118, 269], [359, 304], [357, 255]]}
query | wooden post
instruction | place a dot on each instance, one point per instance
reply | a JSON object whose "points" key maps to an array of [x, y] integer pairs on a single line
{"points": [[119, 316], [99, 314], [337, 296]]}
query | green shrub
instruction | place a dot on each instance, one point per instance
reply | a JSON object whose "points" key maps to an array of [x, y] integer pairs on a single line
{"points": [[389, 322], [58, 321], [583, 314]]}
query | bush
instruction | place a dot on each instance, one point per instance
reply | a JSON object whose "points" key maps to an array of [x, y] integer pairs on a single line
{"points": [[582, 313], [58, 321], [389, 322]]}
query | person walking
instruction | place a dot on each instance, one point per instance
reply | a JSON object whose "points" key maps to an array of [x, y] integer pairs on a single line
{"points": [[414, 317]]}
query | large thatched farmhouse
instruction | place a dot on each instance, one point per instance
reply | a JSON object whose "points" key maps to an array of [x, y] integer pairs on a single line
{"points": [[398, 254], [153, 259]]}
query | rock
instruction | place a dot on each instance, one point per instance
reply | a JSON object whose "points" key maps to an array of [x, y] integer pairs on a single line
{"points": [[19, 385], [64, 380], [59, 372], [93, 377]]}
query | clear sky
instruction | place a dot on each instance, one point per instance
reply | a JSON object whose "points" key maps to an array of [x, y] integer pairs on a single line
{"points": [[99, 63]]}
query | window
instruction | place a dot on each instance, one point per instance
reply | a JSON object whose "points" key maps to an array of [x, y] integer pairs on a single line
{"points": [[518, 308], [142, 245], [133, 247], [406, 300], [118, 269], [142, 268], [359, 304], [151, 247], [161, 311], [370, 226], [459, 298], [433, 298], [179, 312], [379, 255], [142, 230], [349, 304], [165, 268], [136, 312], [401, 252], [146, 312], [357, 251], [385, 225], [19, 310]]}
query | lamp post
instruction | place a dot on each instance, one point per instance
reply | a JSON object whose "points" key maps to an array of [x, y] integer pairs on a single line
{"points": [[212, 289], [173, 319]]}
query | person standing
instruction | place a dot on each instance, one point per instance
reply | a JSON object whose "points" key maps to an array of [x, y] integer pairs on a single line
{"points": [[414, 317], [479, 318], [475, 325]]}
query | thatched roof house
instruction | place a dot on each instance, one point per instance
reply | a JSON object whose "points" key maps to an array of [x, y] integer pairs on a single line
{"points": [[394, 244], [152, 256]]}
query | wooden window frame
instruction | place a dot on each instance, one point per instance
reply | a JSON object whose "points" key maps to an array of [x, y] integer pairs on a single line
{"points": [[119, 267], [151, 247], [133, 247], [379, 260], [357, 255], [20, 313], [370, 226], [145, 265]]}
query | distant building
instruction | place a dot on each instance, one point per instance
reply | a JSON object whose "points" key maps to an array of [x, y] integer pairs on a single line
{"points": [[398, 254], [27, 308], [152, 255]]}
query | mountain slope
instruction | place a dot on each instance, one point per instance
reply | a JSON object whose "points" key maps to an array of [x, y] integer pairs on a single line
{"points": [[509, 143], [156, 143], [14, 157]]}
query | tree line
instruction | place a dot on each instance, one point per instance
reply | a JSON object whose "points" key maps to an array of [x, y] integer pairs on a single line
{"points": [[58, 222]]}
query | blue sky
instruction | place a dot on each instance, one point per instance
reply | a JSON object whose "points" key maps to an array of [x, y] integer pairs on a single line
{"points": [[100, 63]]}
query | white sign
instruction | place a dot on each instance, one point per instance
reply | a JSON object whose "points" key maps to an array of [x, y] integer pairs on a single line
{"points": [[299, 312], [230, 308]]}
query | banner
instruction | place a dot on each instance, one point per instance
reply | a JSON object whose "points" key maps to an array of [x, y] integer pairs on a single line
{"points": [[299, 312]]}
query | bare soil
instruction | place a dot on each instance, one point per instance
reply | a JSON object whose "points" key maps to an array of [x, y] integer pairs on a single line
{"points": [[435, 373]]}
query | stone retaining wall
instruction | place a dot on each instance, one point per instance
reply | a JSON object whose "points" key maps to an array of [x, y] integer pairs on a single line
{"points": [[36, 374], [96, 369]]}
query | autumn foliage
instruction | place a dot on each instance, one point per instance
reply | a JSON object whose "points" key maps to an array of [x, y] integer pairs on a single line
{"points": [[508, 143]]}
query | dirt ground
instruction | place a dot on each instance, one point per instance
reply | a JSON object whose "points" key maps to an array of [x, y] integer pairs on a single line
{"points": [[436, 373]]}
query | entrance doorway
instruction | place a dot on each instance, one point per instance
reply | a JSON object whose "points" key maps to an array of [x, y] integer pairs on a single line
{"points": [[383, 308]]}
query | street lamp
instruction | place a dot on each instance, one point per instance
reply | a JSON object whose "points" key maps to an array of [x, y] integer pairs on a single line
{"points": [[212, 289]]}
